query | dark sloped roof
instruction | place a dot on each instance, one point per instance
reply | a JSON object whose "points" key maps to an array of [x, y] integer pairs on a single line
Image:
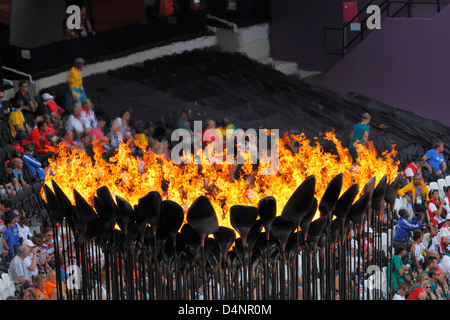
{"points": [[251, 95]]}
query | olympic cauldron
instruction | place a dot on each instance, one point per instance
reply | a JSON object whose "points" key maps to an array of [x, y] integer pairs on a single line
{"points": [[156, 249]]}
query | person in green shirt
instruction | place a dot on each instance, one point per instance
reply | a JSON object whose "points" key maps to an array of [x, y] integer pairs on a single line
{"points": [[398, 271], [357, 134]]}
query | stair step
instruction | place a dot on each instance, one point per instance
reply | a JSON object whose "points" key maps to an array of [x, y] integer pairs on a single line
{"points": [[304, 74], [286, 67], [267, 60]]}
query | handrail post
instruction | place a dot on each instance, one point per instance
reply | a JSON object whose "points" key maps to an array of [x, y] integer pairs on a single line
{"points": [[409, 8], [344, 40], [438, 5]]}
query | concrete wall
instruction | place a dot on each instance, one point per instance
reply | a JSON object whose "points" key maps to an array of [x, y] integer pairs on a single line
{"points": [[36, 23]]}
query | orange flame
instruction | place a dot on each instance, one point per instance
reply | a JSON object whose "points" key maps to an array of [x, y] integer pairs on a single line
{"points": [[74, 169]]}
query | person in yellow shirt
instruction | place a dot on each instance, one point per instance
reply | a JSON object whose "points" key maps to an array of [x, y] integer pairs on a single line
{"points": [[19, 128], [74, 80], [416, 192]]}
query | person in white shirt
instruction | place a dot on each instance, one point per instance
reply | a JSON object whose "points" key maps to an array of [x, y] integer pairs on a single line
{"points": [[31, 260], [402, 291], [447, 199], [445, 265], [413, 168], [88, 114], [430, 239], [435, 208], [419, 248], [444, 234], [24, 230], [75, 121]]}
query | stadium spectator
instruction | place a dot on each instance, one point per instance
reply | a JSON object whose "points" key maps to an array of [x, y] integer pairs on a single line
{"points": [[8, 179], [29, 294], [24, 229], [48, 249], [41, 292], [86, 27], [430, 238], [4, 109], [441, 277], [48, 106], [119, 126], [404, 226], [75, 121], [68, 141], [444, 235], [86, 143], [415, 192], [435, 162], [419, 249], [399, 271], [447, 199], [18, 173], [402, 292], [412, 168], [10, 239], [5, 206], [17, 124], [52, 129], [435, 209], [18, 270], [357, 134], [97, 132], [38, 136], [88, 115], [75, 89], [433, 275], [183, 121], [6, 186], [29, 107], [31, 261], [50, 285], [34, 166], [422, 293]]}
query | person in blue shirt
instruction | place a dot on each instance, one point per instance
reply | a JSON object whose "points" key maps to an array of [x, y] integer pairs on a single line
{"points": [[435, 159], [10, 239], [357, 134], [402, 231], [35, 167]]}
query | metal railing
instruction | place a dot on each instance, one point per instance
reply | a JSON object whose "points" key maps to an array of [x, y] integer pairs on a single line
{"points": [[385, 6]]}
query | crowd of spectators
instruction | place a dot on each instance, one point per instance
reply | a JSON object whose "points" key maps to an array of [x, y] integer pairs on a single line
{"points": [[38, 127], [419, 268]]}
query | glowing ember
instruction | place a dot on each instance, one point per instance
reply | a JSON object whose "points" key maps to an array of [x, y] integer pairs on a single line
{"points": [[73, 169]]}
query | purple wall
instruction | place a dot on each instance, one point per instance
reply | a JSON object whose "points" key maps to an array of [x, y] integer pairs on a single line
{"points": [[297, 29], [405, 64]]}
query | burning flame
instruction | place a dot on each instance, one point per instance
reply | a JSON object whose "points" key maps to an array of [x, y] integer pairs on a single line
{"points": [[74, 169]]}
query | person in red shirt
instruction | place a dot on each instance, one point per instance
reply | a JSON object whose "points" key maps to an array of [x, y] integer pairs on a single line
{"points": [[435, 208], [51, 130], [53, 109], [39, 137], [97, 132], [412, 168]]}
